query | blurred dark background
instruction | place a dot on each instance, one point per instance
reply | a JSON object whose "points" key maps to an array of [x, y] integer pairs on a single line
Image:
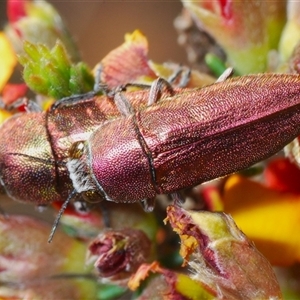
{"points": [[99, 26]]}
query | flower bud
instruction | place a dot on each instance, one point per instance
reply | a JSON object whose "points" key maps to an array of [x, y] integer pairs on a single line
{"points": [[116, 255], [37, 22], [246, 30], [50, 72]]}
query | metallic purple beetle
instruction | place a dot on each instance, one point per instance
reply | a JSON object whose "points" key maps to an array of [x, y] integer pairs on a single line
{"points": [[182, 140], [192, 137]]}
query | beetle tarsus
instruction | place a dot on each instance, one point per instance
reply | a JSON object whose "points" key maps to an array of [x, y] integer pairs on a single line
{"points": [[148, 204]]}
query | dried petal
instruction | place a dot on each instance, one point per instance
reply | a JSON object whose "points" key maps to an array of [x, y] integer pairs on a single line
{"points": [[142, 273], [13, 92], [126, 63], [129, 63], [157, 288], [221, 256]]}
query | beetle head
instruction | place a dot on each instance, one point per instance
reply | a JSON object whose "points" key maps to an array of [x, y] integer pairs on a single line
{"points": [[80, 173]]}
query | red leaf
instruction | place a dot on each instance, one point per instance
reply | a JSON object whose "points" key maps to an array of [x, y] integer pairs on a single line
{"points": [[15, 10], [12, 92], [283, 176]]}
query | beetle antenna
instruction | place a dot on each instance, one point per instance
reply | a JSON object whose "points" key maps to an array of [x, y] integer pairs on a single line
{"points": [[61, 211]]}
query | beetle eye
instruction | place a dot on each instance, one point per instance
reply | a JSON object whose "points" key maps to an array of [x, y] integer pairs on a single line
{"points": [[77, 150], [92, 196]]}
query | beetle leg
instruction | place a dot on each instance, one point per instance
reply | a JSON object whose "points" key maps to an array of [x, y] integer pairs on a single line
{"points": [[225, 75], [74, 99], [148, 204], [136, 85], [99, 70], [155, 93], [182, 74], [98, 85], [123, 104], [157, 88]]}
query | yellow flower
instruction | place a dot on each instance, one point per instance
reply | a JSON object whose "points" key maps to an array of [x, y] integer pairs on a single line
{"points": [[270, 218], [7, 60]]}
